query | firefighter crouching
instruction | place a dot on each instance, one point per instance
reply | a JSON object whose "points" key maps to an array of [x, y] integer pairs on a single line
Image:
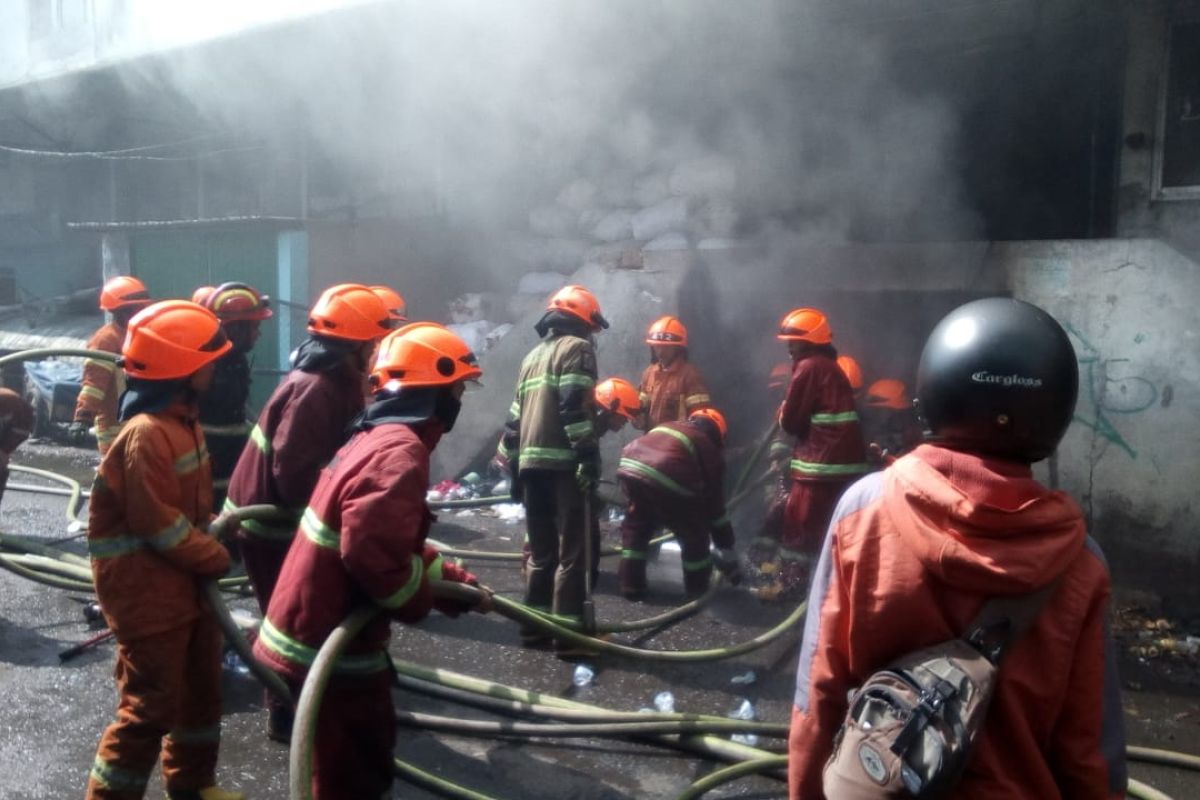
{"points": [[362, 540], [241, 309], [150, 505], [672, 387], [103, 381], [674, 477], [16, 423], [301, 427], [551, 446]]}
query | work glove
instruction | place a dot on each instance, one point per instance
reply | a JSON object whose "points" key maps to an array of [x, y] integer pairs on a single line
{"points": [[438, 567], [587, 474], [77, 432], [728, 564]]}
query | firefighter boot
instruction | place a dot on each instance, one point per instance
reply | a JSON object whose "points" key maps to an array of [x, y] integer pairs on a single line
{"points": [[696, 581], [631, 573], [279, 724], [210, 793]]}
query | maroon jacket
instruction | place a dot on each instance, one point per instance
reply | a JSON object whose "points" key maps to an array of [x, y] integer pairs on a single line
{"points": [[362, 541], [680, 458], [819, 411], [299, 430]]}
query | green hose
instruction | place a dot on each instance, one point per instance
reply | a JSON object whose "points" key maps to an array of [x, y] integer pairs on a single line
{"points": [[51, 352], [440, 786], [233, 635], [559, 730], [1141, 791], [53, 581], [75, 491], [1166, 758], [714, 779]]}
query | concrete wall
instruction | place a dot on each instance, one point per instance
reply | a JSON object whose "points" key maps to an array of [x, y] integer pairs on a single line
{"points": [[1139, 212], [1130, 458]]}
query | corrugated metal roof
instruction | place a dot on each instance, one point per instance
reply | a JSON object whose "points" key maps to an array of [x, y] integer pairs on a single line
{"points": [[18, 333], [209, 222]]}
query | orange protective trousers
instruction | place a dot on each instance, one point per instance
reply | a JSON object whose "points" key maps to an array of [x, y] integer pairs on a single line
{"points": [[170, 703]]}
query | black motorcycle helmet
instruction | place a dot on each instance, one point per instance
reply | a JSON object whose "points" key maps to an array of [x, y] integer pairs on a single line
{"points": [[999, 377]]}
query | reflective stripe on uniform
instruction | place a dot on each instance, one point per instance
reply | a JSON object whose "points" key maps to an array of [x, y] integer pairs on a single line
{"points": [[297, 652], [119, 779], [113, 546], [434, 571], [260, 440], [317, 532], [696, 399], [406, 592], [87, 390], [683, 437], [209, 734], [834, 419], [191, 461], [575, 379], [171, 535], [546, 454], [237, 429], [634, 555], [654, 475], [577, 430], [107, 366], [696, 566], [811, 468]]}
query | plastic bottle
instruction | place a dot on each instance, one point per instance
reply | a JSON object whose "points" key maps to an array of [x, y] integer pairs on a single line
{"points": [[665, 702], [583, 676], [233, 663], [745, 710]]}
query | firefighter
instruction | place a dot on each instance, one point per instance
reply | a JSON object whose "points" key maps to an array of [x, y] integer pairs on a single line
{"points": [[918, 548], [671, 387], [151, 503], [103, 382], [853, 372], [396, 307], [889, 424], [241, 309], [16, 423], [828, 454], [674, 477], [551, 446], [362, 541]]}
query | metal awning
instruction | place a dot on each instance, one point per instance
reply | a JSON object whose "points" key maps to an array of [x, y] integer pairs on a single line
{"points": [[18, 332]]}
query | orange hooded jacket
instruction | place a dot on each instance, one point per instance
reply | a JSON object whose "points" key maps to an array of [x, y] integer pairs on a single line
{"points": [[911, 556]]}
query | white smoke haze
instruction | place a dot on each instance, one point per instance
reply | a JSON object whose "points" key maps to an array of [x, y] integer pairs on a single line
{"points": [[763, 114]]}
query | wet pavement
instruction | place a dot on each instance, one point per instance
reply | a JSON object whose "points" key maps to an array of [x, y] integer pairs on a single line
{"points": [[53, 713]]}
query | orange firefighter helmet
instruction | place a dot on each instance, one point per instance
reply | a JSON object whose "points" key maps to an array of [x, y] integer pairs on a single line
{"points": [[349, 311], [852, 371], [805, 325], [714, 416], [124, 291], [238, 302], [888, 393], [201, 294], [423, 354], [781, 375], [667, 331], [579, 302], [619, 396], [172, 339], [394, 302]]}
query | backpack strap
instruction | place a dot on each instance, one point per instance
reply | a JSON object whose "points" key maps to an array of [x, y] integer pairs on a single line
{"points": [[1003, 620]]}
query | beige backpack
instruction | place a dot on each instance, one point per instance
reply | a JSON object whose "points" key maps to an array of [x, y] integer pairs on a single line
{"points": [[910, 727]]}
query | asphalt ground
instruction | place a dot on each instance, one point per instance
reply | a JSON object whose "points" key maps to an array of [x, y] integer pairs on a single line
{"points": [[53, 713]]}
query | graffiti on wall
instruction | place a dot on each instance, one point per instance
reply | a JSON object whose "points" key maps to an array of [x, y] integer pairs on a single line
{"points": [[1109, 390]]}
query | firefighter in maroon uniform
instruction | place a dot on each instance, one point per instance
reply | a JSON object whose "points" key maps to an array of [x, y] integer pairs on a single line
{"points": [[299, 430], [829, 453], [362, 540], [103, 381], [149, 511], [241, 309], [889, 423], [674, 476]]}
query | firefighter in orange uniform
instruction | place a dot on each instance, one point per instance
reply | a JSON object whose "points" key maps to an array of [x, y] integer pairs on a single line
{"points": [[362, 542], [16, 423], [829, 452], [672, 387], [122, 297], [241, 309], [299, 430], [150, 506]]}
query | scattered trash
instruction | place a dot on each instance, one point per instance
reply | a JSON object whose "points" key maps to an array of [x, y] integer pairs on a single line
{"points": [[471, 479], [583, 676], [665, 702], [745, 679], [449, 490], [466, 512], [232, 662], [511, 513], [501, 487], [92, 612], [615, 514], [744, 711]]}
